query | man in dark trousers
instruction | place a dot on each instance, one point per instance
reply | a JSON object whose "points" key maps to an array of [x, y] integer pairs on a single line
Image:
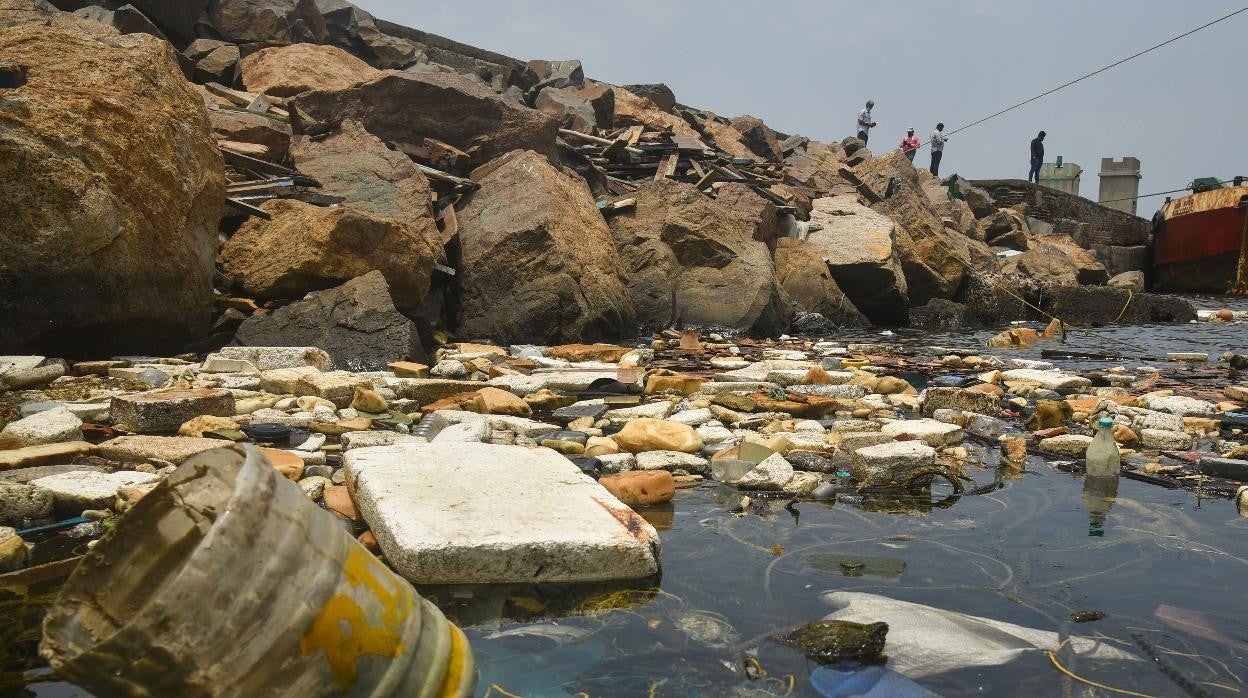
{"points": [[1037, 158]]}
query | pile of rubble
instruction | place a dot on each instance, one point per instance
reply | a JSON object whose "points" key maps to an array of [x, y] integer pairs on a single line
{"points": [[195, 174], [409, 455]]}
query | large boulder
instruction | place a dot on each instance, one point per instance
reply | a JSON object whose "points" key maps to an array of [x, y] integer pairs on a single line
{"points": [[751, 208], [660, 94], [539, 263], [176, 20], [809, 284], [689, 260], [114, 186], [758, 137], [860, 248], [356, 165], [307, 248], [933, 257], [241, 21], [126, 19], [407, 108], [356, 323], [571, 110], [1104, 305], [601, 98], [285, 71], [355, 30]]}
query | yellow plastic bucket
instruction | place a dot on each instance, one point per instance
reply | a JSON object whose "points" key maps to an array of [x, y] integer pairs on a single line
{"points": [[226, 580]]}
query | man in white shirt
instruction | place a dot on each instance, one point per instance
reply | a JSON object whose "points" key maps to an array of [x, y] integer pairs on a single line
{"points": [[865, 122], [938, 148]]}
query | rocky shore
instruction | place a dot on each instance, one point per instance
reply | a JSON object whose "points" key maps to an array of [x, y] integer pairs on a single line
{"points": [[492, 315], [185, 179]]}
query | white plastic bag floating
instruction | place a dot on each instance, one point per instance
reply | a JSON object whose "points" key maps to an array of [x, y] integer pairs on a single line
{"points": [[923, 641]]}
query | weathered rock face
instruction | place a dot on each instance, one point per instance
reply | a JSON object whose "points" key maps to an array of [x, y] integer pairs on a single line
{"points": [[355, 323], [1058, 262], [356, 165], [808, 283], [539, 263], [724, 136], [689, 260], [818, 165], [241, 21], [407, 108], [749, 207], [108, 246], [859, 246], [285, 71], [926, 249], [760, 139], [307, 248], [569, 109]]}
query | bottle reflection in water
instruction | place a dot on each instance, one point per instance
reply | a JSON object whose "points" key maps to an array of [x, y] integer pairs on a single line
{"points": [[1098, 499]]}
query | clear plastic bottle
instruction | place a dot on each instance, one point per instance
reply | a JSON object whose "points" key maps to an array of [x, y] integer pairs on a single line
{"points": [[1102, 458]]}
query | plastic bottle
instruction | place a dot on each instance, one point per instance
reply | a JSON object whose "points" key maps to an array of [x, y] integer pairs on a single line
{"points": [[1102, 458]]}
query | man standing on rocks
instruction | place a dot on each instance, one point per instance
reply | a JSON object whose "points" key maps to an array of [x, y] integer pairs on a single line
{"points": [[1037, 158], [910, 144], [938, 148], [865, 122]]}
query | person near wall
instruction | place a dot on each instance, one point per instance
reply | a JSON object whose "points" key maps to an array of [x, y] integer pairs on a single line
{"points": [[1037, 158]]}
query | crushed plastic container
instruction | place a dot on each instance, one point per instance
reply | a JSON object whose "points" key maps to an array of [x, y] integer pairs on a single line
{"points": [[226, 580]]}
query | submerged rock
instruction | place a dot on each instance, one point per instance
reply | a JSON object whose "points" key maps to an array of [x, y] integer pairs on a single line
{"points": [[829, 641]]}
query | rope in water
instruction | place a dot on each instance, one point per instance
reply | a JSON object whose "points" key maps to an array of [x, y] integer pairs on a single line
{"points": [[1052, 318], [1090, 682]]}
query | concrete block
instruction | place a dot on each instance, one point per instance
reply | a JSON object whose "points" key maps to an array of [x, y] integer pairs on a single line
{"points": [[480, 513], [166, 410], [929, 431]]}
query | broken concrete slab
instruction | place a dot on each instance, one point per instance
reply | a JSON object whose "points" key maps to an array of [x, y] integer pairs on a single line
{"points": [[79, 490], [56, 425], [269, 358], [929, 431], [165, 410], [890, 463], [480, 513], [169, 449], [42, 455]]}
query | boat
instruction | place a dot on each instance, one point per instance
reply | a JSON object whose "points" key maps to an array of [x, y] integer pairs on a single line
{"points": [[1200, 243]]}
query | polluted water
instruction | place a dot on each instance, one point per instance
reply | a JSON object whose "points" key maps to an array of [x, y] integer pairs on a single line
{"points": [[1025, 571]]}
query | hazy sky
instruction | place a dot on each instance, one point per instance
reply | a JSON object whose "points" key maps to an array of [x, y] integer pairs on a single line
{"points": [[806, 66]]}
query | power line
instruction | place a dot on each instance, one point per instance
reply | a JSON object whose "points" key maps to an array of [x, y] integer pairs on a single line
{"points": [[1160, 193], [1097, 72]]}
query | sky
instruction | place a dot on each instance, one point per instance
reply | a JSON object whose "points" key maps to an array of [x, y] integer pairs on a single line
{"points": [[807, 66]]}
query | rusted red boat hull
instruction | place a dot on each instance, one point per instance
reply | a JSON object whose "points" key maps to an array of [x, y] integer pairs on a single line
{"points": [[1197, 246]]}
